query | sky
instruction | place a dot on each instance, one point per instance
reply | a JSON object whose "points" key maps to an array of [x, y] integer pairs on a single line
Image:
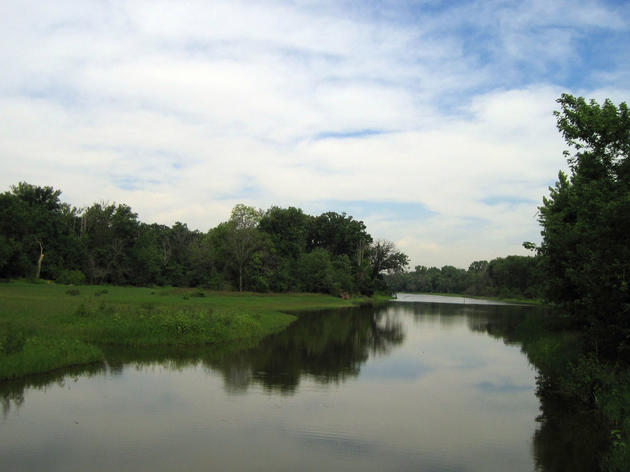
{"points": [[431, 121]]}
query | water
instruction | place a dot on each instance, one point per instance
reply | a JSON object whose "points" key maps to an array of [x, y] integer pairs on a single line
{"points": [[408, 386]]}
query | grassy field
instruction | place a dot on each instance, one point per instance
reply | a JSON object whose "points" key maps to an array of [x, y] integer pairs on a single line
{"points": [[47, 326]]}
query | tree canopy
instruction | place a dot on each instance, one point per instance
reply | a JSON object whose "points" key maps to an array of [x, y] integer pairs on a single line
{"points": [[585, 251], [280, 249]]}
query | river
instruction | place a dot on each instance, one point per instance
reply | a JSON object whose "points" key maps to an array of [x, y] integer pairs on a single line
{"points": [[417, 384]]}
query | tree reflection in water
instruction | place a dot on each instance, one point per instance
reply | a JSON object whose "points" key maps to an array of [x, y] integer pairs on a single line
{"points": [[328, 346]]}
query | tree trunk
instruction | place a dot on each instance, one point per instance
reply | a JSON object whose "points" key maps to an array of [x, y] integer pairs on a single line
{"points": [[39, 260]]}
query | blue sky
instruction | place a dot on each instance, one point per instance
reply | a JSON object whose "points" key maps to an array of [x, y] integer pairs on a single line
{"points": [[431, 121]]}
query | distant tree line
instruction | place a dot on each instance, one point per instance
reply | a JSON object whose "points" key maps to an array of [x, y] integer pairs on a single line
{"points": [[279, 249], [507, 277]]}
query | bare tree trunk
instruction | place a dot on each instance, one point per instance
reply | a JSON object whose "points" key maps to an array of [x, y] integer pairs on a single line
{"points": [[39, 260]]}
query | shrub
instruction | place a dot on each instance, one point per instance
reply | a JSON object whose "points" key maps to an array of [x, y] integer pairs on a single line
{"points": [[71, 277]]}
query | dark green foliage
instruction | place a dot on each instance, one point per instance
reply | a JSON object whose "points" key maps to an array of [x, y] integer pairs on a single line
{"points": [[288, 229], [585, 258], [255, 250], [315, 272], [73, 292], [515, 277], [339, 234], [71, 277], [585, 251]]}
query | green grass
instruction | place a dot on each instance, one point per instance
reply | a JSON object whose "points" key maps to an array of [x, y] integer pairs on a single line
{"points": [[43, 355], [47, 326]]}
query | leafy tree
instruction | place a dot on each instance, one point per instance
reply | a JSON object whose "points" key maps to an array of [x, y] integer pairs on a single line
{"points": [[288, 229], [384, 257], [515, 276], [34, 223], [339, 234], [315, 272], [585, 220], [243, 238], [109, 233]]}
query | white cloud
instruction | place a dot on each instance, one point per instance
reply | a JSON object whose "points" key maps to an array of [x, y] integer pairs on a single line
{"points": [[182, 109]]}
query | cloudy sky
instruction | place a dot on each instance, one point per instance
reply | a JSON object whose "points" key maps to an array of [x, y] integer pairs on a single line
{"points": [[431, 121]]}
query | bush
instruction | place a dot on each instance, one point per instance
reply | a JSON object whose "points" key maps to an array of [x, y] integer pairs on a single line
{"points": [[71, 277]]}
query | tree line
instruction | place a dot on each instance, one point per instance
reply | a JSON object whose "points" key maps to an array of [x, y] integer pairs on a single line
{"points": [[279, 249], [506, 277]]}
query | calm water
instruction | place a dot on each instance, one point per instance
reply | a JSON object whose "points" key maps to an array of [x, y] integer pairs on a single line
{"points": [[407, 386]]}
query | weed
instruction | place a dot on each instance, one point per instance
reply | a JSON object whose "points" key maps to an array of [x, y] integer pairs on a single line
{"points": [[73, 292], [81, 310]]}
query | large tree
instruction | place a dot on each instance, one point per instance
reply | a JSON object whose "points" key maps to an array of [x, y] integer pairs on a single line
{"points": [[34, 223], [244, 237], [586, 220]]}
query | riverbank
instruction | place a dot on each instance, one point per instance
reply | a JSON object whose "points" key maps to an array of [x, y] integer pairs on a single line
{"points": [[47, 326], [573, 374], [515, 301]]}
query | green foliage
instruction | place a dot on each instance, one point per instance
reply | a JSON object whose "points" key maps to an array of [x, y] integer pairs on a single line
{"points": [[511, 277], [576, 377], [73, 292], [40, 354], [315, 272], [585, 221], [71, 277], [254, 250]]}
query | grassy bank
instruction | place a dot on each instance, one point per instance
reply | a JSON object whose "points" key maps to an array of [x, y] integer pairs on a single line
{"points": [[47, 326]]}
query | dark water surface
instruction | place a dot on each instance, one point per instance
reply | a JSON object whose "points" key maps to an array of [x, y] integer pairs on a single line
{"points": [[405, 386]]}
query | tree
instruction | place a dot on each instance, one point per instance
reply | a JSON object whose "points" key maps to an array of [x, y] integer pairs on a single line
{"points": [[585, 220], [109, 232], [244, 237], [383, 257], [35, 223], [339, 234], [288, 229]]}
